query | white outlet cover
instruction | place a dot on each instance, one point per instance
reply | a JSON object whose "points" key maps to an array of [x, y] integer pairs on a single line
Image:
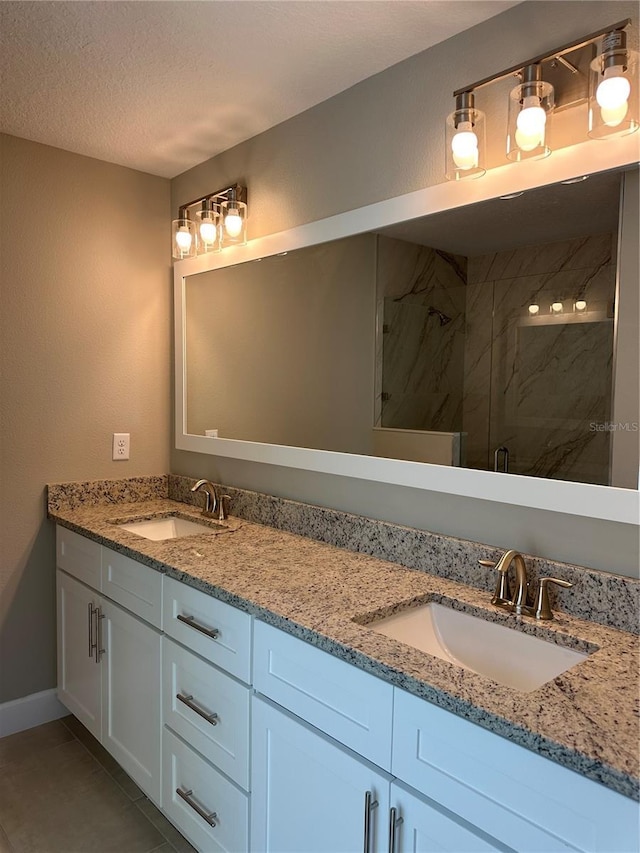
{"points": [[120, 446]]}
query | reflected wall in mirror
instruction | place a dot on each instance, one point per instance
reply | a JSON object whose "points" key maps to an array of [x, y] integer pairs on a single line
{"points": [[482, 337]]}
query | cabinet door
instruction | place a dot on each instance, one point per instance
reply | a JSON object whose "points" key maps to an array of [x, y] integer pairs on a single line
{"points": [[422, 827], [309, 795], [79, 681], [131, 729]]}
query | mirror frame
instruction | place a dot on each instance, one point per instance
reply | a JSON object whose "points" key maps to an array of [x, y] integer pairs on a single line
{"points": [[582, 499]]}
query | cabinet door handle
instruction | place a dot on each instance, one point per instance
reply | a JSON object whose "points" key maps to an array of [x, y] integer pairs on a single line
{"points": [[369, 805], [191, 622], [188, 701], [210, 817], [99, 650], [394, 823], [92, 645]]}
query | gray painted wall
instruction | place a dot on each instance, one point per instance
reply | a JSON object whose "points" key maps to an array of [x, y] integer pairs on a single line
{"points": [[380, 139], [85, 332]]}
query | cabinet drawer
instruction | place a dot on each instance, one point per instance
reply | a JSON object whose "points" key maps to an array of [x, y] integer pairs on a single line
{"points": [[209, 794], [78, 556], [516, 796], [191, 685], [352, 706], [133, 585], [190, 616]]}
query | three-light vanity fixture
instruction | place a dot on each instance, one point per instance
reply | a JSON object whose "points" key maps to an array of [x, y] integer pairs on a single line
{"points": [[598, 69], [220, 220]]}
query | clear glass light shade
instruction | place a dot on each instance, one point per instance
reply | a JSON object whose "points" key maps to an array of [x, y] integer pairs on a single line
{"points": [[209, 232], [183, 239], [465, 144], [530, 111], [234, 222], [613, 98]]}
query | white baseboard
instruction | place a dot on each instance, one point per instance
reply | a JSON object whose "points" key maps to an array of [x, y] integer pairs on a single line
{"points": [[30, 711]]}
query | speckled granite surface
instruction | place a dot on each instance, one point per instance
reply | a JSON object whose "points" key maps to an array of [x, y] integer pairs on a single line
{"points": [[585, 719], [610, 599]]}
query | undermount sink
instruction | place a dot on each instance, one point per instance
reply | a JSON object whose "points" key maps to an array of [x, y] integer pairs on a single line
{"points": [[170, 527], [502, 654]]}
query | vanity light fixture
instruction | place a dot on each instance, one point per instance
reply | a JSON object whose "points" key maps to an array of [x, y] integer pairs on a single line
{"points": [[530, 109], [567, 76], [613, 95], [534, 308], [183, 235], [465, 143], [221, 219], [557, 307], [209, 231], [580, 304]]}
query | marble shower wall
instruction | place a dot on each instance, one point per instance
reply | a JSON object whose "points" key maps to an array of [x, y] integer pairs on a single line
{"points": [[536, 384], [421, 295]]}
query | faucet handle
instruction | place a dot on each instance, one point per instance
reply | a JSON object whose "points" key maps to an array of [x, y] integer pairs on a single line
{"points": [[223, 511], [542, 608], [502, 596]]}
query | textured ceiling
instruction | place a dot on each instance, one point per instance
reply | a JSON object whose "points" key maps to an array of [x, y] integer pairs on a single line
{"points": [[162, 86]]}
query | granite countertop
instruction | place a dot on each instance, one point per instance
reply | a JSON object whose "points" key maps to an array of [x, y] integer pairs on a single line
{"points": [[585, 719]]}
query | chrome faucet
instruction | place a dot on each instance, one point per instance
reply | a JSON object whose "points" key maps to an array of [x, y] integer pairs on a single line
{"points": [[214, 504], [517, 601]]}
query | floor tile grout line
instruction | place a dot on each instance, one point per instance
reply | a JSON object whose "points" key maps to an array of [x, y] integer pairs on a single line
{"points": [[135, 802]]}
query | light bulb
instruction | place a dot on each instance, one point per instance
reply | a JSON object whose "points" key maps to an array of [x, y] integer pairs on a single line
{"points": [[581, 304], [464, 147], [208, 230], [530, 124], [534, 308], [613, 116], [614, 90], [233, 223], [183, 238], [556, 307]]}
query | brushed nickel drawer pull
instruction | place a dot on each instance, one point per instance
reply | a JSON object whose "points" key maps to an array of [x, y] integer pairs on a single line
{"points": [[92, 645], [191, 622], [394, 823], [188, 701], [369, 805], [99, 617], [210, 817]]}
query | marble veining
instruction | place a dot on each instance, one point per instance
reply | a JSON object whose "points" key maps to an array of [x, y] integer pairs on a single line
{"points": [[586, 719]]}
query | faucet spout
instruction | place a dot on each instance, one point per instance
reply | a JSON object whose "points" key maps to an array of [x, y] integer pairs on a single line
{"points": [[214, 504], [210, 497], [519, 600]]}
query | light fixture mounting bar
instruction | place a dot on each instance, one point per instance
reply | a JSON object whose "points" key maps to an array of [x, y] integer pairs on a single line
{"points": [[553, 54], [240, 194]]}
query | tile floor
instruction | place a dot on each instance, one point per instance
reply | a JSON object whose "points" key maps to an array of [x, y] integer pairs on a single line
{"points": [[61, 792]]}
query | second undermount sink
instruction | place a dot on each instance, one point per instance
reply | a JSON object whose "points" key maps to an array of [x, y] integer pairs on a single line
{"points": [[170, 527], [502, 654]]}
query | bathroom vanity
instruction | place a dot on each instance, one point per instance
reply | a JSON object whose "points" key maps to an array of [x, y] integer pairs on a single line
{"points": [[235, 673]]}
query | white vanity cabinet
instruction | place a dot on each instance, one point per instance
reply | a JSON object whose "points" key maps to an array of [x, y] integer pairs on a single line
{"points": [[531, 804], [109, 658], [317, 794], [79, 679], [449, 784], [311, 795], [417, 825], [206, 701]]}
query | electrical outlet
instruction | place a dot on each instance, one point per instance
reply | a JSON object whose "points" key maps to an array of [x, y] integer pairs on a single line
{"points": [[120, 449]]}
